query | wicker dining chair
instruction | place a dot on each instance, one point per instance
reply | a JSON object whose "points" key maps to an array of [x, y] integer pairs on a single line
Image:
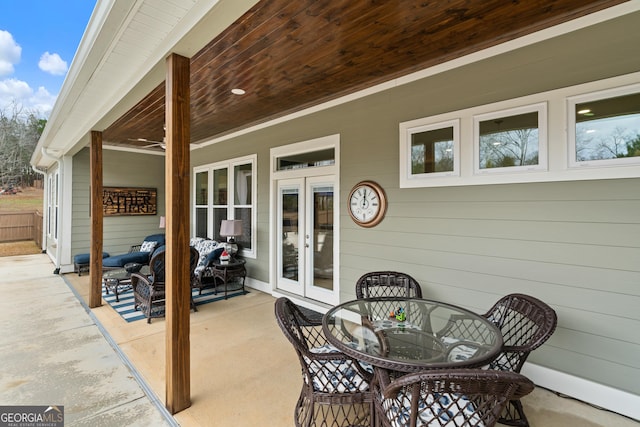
{"points": [[526, 323], [447, 397], [335, 388], [387, 284]]}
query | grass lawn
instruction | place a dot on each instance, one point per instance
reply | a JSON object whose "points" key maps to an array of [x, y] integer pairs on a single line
{"points": [[29, 199], [27, 247]]}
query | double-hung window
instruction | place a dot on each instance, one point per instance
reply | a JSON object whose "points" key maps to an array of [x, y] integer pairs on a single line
{"points": [[226, 190]]}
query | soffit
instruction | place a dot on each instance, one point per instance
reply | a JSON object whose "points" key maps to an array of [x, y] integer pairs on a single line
{"points": [[117, 64], [292, 55]]}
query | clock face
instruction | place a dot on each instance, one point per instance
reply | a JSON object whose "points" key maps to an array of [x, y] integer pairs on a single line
{"points": [[367, 203]]}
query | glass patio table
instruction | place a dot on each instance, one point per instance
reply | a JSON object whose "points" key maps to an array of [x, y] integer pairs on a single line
{"points": [[409, 335]]}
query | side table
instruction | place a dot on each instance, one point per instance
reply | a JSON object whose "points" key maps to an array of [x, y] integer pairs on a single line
{"points": [[117, 278], [226, 271]]}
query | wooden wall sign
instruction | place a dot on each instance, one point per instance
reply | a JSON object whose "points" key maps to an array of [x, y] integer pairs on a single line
{"points": [[129, 201]]}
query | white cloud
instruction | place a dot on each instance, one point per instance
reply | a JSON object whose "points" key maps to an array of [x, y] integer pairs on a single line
{"points": [[10, 52], [14, 88], [42, 101], [52, 64], [14, 91]]}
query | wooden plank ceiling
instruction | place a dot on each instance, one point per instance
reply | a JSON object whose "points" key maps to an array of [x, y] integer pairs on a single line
{"points": [[289, 55]]}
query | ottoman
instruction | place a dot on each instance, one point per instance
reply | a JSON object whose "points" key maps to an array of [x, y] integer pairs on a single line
{"points": [[81, 263]]}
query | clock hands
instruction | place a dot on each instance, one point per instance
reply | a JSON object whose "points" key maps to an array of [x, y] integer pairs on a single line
{"points": [[365, 202]]}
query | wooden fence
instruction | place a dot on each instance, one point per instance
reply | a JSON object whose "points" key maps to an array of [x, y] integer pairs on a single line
{"points": [[16, 226]]}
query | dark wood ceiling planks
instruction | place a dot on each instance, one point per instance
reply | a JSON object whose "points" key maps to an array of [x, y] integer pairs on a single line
{"points": [[289, 55]]}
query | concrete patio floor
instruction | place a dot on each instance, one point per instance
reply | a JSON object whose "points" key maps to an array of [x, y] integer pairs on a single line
{"points": [[243, 371]]}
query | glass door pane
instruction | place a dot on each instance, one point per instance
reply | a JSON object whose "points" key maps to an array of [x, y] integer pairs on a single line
{"points": [[289, 235], [320, 239]]}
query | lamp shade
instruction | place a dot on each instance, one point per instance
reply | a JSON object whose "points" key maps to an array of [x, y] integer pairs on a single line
{"points": [[231, 227]]}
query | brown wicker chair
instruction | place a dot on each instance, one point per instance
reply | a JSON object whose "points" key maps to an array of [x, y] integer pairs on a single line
{"points": [[149, 291], [526, 323], [194, 257], [457, 397], [387, 284], [335, 388]]}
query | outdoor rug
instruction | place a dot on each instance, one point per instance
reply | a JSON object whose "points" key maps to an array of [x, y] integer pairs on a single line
{"points": [[128, 313]]}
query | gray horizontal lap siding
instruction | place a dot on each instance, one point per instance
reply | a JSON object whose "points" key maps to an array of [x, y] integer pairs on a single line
{"points": [[579, 256], [120, 169]]}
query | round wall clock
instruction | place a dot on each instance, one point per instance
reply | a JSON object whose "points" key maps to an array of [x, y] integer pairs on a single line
{"points": [[367, 204]]}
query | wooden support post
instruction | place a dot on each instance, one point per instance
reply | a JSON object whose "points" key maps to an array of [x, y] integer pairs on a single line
{"points": [[95, 255], [177, 286]]}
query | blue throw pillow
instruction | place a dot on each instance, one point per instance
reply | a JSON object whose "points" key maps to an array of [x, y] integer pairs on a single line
{"points": [[214, 255]]}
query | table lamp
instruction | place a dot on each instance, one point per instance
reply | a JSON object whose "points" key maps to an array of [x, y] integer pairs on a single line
{"points": [[230, 228]]}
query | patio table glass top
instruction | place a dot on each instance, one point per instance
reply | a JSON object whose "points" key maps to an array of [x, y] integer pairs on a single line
{"points": [[410, 335]]}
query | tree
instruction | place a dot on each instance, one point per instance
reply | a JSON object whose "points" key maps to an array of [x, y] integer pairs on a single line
{"points": [[633, 147], [517, 147], [19, 134]]}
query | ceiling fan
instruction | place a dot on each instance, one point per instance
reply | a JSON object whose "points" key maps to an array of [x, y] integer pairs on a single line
{"points": [[152, 143], [162, 144]]}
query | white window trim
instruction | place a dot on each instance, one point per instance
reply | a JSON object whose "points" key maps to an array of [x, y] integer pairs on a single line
{"points": [[557, 134], [407, 129], [541, 109], [330, 141], [229, 165], [571, 128], [53, 203]]}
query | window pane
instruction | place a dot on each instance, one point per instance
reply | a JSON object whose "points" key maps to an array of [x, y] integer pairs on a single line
{"points": [[220, 187], [306, 160], [290, 200], [244, 214], [243, 178], [608, 128], [201, 222], [218, 215], [432, 151], [509, 141], [201, 188]]}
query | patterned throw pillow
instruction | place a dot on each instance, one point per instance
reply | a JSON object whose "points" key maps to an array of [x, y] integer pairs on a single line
{"points": [[331, 376], [148, 246], [451, 409]]}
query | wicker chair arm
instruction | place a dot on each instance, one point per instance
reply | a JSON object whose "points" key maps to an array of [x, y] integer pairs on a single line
{"points": [[137, 277], [147, 281]]}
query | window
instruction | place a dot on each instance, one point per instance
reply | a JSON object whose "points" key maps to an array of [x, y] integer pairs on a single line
{"points": [[513, 139], [429, 150], [52, 206], [582, 132], [324, 157], [604, 128], [226, 190]]}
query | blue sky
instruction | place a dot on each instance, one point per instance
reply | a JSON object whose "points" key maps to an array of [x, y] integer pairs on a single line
{"points": [[38, 39]]}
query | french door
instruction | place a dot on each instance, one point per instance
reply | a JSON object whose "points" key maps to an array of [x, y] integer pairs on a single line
{"points": [[306, 254]]}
